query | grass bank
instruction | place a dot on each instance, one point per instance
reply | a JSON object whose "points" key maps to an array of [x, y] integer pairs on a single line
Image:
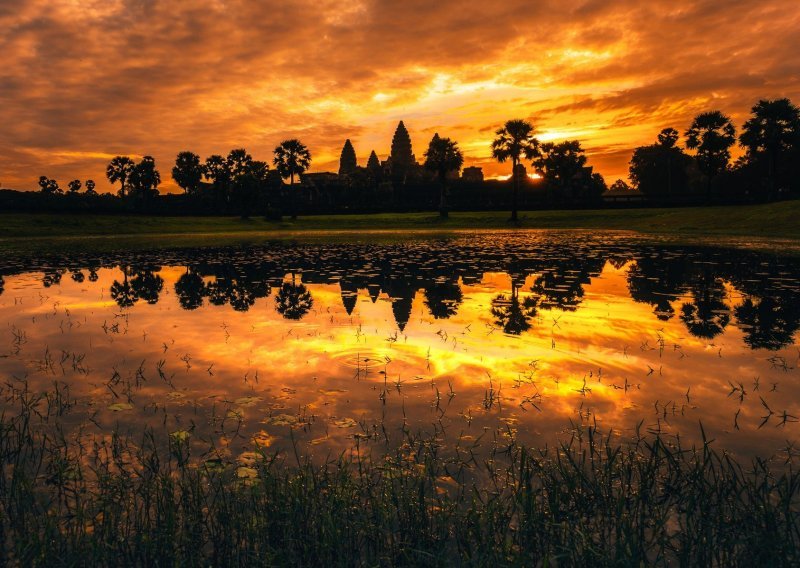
{"points": [[773, 221], [157, 500]]}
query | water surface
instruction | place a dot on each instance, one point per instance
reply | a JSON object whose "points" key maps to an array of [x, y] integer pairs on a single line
{"points": [[337, 346]]}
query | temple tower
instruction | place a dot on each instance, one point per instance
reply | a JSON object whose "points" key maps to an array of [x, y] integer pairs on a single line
{"points": [[347, 161]]}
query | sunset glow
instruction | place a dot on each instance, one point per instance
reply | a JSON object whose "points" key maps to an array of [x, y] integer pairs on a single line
{"points": [[85, 80]]}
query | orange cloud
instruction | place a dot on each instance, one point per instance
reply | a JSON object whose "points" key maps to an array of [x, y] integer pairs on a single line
{"points": [[83, 80]]}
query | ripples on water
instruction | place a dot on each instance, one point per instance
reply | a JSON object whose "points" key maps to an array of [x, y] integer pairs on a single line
{"points": [[528, 334]]}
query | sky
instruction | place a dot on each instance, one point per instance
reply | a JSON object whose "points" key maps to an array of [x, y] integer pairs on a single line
{"points": [[82, 81]]}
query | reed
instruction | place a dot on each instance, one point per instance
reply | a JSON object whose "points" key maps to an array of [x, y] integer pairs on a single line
{"points": [[70, 498]]}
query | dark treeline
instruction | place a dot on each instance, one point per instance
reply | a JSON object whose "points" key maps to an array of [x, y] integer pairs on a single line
{"points": [[692, 168], [684, 283]]}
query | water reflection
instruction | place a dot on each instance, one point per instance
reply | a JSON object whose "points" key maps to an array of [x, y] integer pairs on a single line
{"points": [[349, 338]]}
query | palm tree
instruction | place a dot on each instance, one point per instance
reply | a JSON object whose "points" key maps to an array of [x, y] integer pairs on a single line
{"points": [[74, 186], [773, 128], [119, 169], [145, 178], [514, 141], [443, 157], [292, 158], [187, 172], [712, 134], [90, 185]]}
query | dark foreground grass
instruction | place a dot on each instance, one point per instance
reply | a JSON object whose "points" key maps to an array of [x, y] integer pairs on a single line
{"points": [[591, 501], [775, 220]]}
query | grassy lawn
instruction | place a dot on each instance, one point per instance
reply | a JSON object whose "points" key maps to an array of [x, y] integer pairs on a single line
{"points": [[776, 220]]}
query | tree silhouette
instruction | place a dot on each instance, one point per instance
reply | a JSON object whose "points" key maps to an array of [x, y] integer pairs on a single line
{"points": [[560, 164], [658, 281], [119, 170], [190, 290], [292, 158], [711, 134], [619, 185], [248, 183], [768, 322], [443, 157], [238, 162], [2, 284], [74, 186], [514, 141], [706, 316], [771, 131], [668, 137], [216, 169], [293, 300], [49, 186], [122, 292], [90, 185], [660, 170], [443, 299], [513, 315], [348, 161], [187, 172], [145, 178], [52, 276], [147, 285]]}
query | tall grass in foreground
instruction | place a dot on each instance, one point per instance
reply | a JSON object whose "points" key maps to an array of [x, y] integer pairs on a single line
{"points": [[72, 499]]}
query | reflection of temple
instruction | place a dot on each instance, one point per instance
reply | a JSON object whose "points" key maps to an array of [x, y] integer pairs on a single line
{"points": [[686, 285]]}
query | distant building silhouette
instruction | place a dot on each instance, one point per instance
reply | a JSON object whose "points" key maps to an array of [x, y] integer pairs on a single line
{"points": [[373, 164], [472, 174], [348, 162], [402, 154]]}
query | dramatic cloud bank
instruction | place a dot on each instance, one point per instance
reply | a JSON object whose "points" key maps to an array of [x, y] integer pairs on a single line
{"points": [[84, 80]]}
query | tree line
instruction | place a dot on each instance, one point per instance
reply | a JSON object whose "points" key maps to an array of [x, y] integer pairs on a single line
{"points": [[664, 172]]}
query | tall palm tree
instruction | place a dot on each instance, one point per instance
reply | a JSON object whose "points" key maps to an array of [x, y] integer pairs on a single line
{"points": [[514, 141], [443, 157], [772, 129], [118, 170], [292, 158], [712, 134], [187, 172]]}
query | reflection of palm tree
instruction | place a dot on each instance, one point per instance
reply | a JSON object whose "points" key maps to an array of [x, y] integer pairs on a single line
{"points": [[2, 284], [443, 299], [147, 285], [240, 290], [190, 290], [706, 316], [768, 323], [658, 281], [512, 314], [122, 292], [293, 301], [51, 277], [77, 276]]}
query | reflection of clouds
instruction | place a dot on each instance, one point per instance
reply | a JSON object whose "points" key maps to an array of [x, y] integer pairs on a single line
{"points": [[611, 360]]}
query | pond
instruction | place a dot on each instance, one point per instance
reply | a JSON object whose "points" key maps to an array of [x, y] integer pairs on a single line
{"points": [[333, 347]]}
